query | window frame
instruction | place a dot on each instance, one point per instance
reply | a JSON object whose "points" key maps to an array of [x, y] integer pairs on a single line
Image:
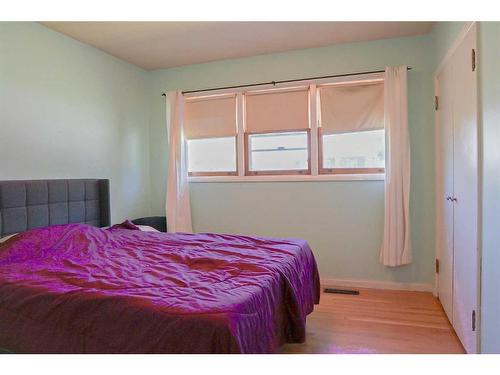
{"points": [[315, 171], [337, 171], [216, 173], [287, 172]]}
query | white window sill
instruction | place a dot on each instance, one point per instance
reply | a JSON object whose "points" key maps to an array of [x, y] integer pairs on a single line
{"points": [[291, 178]]}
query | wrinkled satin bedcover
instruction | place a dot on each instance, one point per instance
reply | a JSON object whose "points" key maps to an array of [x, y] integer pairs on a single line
{"points": [[79, 289]]}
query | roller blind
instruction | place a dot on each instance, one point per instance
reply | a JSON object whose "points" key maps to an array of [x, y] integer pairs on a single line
{"points": [[352, 108], [210, 117], [277, 111]]}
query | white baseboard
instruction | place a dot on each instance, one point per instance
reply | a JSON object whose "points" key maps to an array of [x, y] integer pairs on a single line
{"points": [[375, 284]]}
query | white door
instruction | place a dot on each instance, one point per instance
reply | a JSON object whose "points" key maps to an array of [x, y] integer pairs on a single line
{"points": [[466, 282], [444, 188]]}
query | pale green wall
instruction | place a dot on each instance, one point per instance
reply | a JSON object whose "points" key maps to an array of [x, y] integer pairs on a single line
{"points": [[489, 108], [341, 220], [98, 108], [444, 34], [68, 110]]}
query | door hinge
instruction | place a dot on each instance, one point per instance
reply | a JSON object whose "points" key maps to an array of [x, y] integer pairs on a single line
{"points": [[473, 320], [436, 103], [437, 265], [473, 60]]}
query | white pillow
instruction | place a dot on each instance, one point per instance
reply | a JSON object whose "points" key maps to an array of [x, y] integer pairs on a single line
{"points": [[3, 239], [147, 228]]}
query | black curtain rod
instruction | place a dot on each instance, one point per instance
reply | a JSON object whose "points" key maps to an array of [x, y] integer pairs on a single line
{"points": [[274, 83]]}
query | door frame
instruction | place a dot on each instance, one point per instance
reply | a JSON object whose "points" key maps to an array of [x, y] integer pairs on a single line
{"points": [[456, 43]]}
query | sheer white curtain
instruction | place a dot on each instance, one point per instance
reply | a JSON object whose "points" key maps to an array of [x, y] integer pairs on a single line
{"points": [[178, 205], [396, 246]]}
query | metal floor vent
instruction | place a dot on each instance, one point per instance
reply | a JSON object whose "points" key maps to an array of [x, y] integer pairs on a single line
{"points": [[341, 291]]}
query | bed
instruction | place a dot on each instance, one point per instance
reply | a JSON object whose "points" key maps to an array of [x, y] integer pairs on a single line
{"points": [[67, 285]]}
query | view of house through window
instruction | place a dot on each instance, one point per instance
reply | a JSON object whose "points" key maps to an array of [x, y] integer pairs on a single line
{"points": [[364, 149], [212, 155], [278, 152]]}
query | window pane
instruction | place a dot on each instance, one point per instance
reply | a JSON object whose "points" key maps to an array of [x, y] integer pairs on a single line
{"points": [[212, 154], [278, 151], [354, 150]]}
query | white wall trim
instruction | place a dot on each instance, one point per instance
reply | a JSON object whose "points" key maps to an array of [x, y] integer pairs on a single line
{"points": [[456, 43], [313, 125], [376, 284], [290, 178], [240, 135], [437, 198]]}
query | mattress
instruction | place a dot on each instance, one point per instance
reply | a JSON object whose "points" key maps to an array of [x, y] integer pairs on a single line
{"points": [[81, 289]]}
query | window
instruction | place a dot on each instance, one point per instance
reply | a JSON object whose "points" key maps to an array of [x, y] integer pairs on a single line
{"points": [[285, 152], [212, 156], [277, 135], [352, 136], [325, 130], [357, 152], [210, 130]]}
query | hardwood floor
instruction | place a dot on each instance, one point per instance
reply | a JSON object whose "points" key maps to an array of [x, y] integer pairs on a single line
{"points": [[378, 321]]}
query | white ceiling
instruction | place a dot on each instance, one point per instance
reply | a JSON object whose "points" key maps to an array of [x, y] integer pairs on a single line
{"points": [[156, 45]]}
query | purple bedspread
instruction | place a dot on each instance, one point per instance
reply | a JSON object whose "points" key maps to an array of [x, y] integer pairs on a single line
{"points": [[79, 289]]}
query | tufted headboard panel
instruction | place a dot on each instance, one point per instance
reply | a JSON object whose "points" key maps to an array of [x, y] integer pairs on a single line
{"points": [[38, 203]]}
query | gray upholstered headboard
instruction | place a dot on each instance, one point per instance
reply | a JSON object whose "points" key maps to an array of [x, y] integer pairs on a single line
{"points": [[38, 203]]}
